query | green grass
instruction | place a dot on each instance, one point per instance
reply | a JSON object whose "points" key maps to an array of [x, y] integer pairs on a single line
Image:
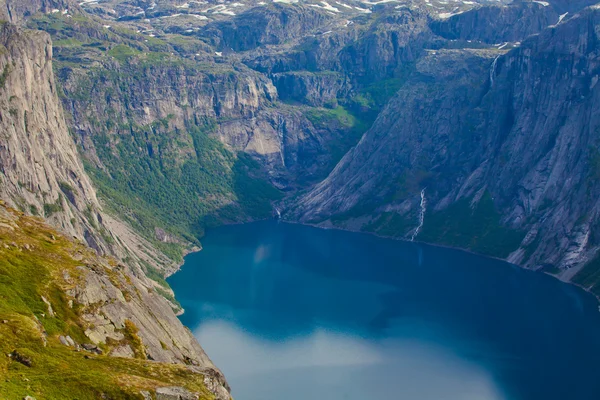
{"points": [[33, 258], [323, 116], [123, 53], [67, 43]]}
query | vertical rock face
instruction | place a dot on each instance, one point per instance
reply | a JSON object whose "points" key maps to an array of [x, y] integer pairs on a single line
{"points": [[41, 174], [499, 23], [516, 130], [41, 171], [257, 28]]}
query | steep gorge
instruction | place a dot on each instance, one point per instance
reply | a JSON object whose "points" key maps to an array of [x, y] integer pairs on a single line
{"points": [[504, 142], [353, 118]]}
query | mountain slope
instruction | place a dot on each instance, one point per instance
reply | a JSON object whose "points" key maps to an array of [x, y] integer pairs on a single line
{"points": [[92, 287], [58, 299], [504, 147]]}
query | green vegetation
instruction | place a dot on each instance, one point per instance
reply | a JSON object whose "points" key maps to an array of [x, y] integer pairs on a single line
{"points": [[407, 184], [182, 181], [4, 76], [348, 126], [34, 261], [122, 52], [589, 276], [391, 224], [167, 295], [51, 208], [376, 95], [476, 228], [131, 335], [323, 116]]}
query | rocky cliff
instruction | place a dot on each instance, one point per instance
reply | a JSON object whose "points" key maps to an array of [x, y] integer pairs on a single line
{"points": [[496, 149], [75, 324], [117, 308]]}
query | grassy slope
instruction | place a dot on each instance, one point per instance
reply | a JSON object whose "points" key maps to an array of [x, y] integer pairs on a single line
{"points": [[33, 262]]}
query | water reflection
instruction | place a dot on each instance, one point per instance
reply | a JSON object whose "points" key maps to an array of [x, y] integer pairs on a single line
{"points": [[291, 312], [328, 365]]}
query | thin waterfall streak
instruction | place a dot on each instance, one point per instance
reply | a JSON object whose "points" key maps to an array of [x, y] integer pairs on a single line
{"points": [[423, 208], [493, 70]]}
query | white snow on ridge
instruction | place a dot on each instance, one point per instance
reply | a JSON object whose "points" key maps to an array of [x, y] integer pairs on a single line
{"points": [[364, 10], [374, 3], [226, 12], [561, 17], [343, 5], [326, 6]]}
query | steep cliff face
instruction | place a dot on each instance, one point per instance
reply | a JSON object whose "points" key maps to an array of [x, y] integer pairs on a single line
{"points": [[256, 27], [117, 307], [41, 170], [503, 146], [42, 173], [497, 24]]}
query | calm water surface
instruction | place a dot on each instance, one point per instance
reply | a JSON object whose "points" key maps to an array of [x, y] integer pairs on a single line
{"points": [[290, 312]]}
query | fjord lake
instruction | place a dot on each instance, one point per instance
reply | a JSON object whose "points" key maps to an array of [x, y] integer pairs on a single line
{"points": [[295, 312]]}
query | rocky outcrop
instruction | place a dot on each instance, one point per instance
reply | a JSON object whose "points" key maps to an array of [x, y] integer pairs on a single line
{"points": [[42, 175], [316, 89], [498, 24], [106, 307], [268, 25], [177, 91]]}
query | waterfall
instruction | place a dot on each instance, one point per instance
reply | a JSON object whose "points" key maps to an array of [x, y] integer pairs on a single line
{"points": [[493, 70], [423, 207], [280, 134]]}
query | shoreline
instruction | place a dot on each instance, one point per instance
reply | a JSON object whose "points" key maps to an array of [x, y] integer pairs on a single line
{"points": [[190, 251], [452, 248]]}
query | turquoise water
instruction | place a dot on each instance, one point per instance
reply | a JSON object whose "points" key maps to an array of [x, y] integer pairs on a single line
{"points": [[290, 312]]}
